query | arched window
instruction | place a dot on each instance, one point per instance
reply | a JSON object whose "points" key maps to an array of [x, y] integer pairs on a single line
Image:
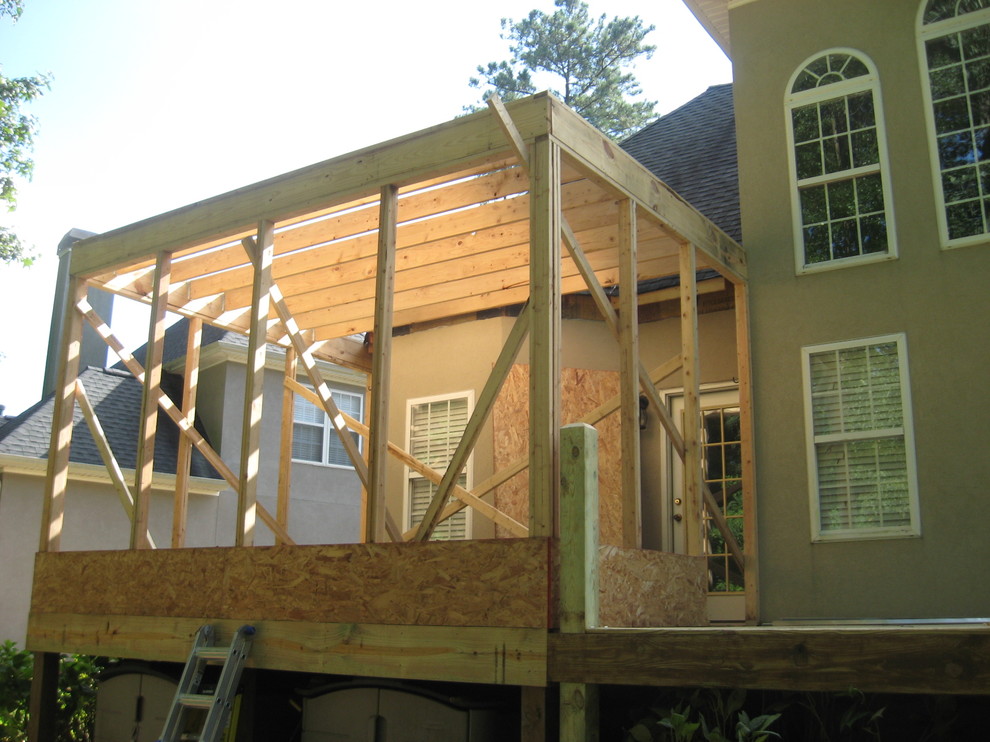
{"points": [[955, 36], [838, 162]]}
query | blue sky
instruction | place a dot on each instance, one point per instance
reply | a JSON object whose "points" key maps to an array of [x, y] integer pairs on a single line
{"points": [[158, 104]]}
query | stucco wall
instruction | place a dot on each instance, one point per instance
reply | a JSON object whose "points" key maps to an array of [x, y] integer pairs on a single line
{"points": [[937, 297], [94, 520], [459, 357], [325, 506]]}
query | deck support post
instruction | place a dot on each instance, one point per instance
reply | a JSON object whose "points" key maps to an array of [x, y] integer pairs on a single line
{"points": [[544, 338], [190, 387], [690, 370], [578, 569], [746, 432], [629, 377], [254, 379], [145, 466], [44, 698], [381, 365], [533, 714]]}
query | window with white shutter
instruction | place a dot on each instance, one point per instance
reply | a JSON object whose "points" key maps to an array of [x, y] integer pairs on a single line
{"points": [[313, 438], [860, 440], [435, 427]]}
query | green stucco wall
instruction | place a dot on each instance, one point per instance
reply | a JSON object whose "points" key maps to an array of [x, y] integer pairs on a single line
{"points": [[937, 297]]}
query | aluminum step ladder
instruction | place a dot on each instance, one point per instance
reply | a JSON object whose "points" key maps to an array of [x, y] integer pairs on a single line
{"points": [[217, 705]]}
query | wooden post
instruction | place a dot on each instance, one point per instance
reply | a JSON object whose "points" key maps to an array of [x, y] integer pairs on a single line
{"points": [[533, 714], [693, 480], [381, 363], [285, 450], [57, 478], [254, 383], [44, 698], [544, 338], [629, 376], [145, 466], [366, 453], [190, 387], [746, 432], [578, 569], [578, 528]]}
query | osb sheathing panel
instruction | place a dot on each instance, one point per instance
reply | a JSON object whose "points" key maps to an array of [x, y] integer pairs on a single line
{"points": [[641, 588], [500, 583], [582, 390]]}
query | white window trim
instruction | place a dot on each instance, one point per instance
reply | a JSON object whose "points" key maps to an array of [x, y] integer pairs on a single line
{"points": [[869, 82], [409, 474], [926, 32], [328, 431], [860, 534]]}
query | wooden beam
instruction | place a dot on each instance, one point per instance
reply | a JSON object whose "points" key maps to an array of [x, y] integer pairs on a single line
{"points": [[579, 712], [751, 575], [694, 520], [467, 654], [480, 414], [593, 153], [578, 528], [447, 148], [877, 659], [533, 714], [632, 530], [285, 448], [381, 365], [43, 704], [144, 469], [170, 409], [57, 477], [260, 252], [544, 344], [190, 388]]}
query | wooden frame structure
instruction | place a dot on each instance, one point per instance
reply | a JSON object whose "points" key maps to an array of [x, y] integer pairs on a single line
{"points": [[519, 204]]}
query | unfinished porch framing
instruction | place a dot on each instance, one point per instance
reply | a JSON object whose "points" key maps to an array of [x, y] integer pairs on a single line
{"points": [[517, 205]]}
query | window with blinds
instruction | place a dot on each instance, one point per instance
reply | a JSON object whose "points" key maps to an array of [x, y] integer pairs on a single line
{"points": [[313, 438], [860, 442], [436, 425]]}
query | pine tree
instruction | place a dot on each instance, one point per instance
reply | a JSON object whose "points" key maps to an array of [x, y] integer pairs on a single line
{"points": [[586, 58]]}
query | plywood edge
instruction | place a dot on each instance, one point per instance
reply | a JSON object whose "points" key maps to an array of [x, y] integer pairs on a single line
{"points": [[645, 588], [499, 582], [471, 655]]}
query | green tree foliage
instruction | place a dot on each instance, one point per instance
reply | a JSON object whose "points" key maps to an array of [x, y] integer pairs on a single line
{"points": [[16, 137], [586, 57], [75, 711]]}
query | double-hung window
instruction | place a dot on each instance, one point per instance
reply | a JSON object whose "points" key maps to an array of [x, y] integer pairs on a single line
{"points": [[860, 440], [955, 39], [838, 164], [313, 438], [435, 427]]}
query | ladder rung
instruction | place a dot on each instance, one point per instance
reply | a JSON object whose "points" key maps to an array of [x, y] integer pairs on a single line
{"points": [[215, 654], [196, 700]]}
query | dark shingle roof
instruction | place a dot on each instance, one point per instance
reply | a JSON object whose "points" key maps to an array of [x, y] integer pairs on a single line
{"points": [[693, 150], [116, 396]]}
